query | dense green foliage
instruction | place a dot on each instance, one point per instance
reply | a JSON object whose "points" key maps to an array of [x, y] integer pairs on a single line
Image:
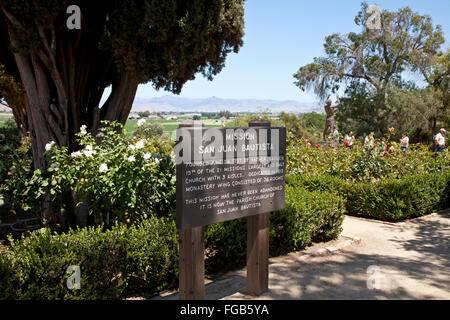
{"points": [[390, 199], [112, 262], [118, 178], [374, 183]]}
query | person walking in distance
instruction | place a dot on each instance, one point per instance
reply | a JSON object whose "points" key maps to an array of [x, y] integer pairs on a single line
{"points": [[439, 139], [404, 143]]}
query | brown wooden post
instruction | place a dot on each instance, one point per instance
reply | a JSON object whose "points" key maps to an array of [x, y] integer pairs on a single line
{"points": [[192, 264], [192, 253], [258, 244]]}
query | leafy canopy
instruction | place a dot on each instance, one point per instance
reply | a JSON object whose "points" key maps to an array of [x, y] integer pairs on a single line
{"points": [[374, 57], [163, 42]]}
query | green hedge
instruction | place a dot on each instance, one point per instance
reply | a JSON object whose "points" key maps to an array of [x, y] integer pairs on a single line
{"points": [[308, 216], [112, 262], [144, 257], [390, 199]]}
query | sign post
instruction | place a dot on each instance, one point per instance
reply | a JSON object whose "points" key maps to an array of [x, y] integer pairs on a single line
{"points": [[258, 228], [192, 255], [192, 264], [225, 174]]}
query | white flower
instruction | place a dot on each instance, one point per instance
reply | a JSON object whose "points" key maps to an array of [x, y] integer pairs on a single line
{"points": [[147, 156], [83, 129], [76, 154], [103, 168], [140, 144], [141, 122], [88, 153], [131, 159], [49, 145], [131, 147], [157, 161]]}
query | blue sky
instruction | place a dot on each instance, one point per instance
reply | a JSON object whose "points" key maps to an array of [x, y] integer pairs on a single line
{"points": [[281, 36]]}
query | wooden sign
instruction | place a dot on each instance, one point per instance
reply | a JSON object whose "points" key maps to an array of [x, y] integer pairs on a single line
{"points": [[241, 175], [225, 174]]}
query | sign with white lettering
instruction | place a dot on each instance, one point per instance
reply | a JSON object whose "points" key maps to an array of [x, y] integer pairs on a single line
{"points": [[228, 173]]}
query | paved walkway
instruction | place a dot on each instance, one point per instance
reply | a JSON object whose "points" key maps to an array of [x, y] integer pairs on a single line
{"points": [[409, 260]]}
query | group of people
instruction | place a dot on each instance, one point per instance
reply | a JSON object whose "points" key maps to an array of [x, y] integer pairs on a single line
{"points": [[439, 140], [383, 145], [369, 142]]}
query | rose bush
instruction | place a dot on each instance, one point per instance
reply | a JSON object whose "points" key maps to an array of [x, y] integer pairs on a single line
{"points": [[118, 178], [358, 164]]}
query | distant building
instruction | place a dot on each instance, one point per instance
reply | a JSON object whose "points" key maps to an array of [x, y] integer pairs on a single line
{"points": [[5, 108], [170, 117]]}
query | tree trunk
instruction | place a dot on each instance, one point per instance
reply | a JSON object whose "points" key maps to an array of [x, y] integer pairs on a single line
{"points": [[63, 80]]}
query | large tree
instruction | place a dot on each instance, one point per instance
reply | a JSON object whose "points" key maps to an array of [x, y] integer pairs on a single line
{"points": [[373, 62], [436, 71], [63, 72]]}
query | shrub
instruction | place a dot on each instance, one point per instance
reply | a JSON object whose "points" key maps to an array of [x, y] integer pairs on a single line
{"points": [[125, 179], [394, 200], [226, 245], [308, 216], [386, 199], [151, 130], [112, 262], [15, 169], [8, 277]]}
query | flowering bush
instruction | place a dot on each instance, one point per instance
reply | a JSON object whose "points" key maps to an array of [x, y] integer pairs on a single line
{"points": [[118, 178], [363, 164], [15, 169], [125, 179]]}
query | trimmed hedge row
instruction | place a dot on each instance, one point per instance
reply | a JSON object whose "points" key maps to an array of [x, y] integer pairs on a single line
{"points": [[390, 199], [112, 262], [144, 257]]}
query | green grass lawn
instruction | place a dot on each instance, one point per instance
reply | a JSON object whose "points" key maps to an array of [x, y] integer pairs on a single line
{"points": [[170, 126], [4, 118]]}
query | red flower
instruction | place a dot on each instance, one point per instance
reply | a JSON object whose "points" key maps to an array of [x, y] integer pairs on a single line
{"points": [[346, 143], [317, 146]]}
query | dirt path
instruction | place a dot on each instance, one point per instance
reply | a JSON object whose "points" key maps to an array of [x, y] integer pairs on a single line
{"points": [[409, 260]]}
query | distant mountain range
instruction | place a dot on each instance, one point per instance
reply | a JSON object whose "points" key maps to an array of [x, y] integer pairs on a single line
{"points": [[214, 104]]}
